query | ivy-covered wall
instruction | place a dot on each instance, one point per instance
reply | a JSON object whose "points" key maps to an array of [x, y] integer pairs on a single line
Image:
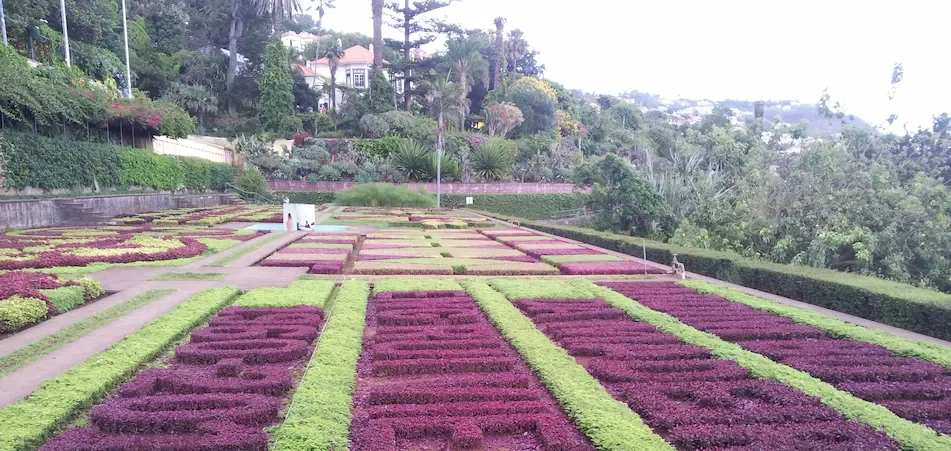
{"points": [[32, 161]]}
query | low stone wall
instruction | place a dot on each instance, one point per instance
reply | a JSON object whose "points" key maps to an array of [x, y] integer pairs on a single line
{"points": [[447, 188], [34, 213]]}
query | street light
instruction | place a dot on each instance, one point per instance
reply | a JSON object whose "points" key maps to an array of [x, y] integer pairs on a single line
{"points": [[128, 71], [3, 23], [62, 9]]}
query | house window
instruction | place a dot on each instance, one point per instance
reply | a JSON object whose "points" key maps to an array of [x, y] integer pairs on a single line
{"points": [[359, 78]]}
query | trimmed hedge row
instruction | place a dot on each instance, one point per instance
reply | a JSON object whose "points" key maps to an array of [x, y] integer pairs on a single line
{"points": [[835, 327], [320, 414], [39, 162], [908, 434], [529, 206], [27, 423], [609, 423], [302, 292], [893, 303]]}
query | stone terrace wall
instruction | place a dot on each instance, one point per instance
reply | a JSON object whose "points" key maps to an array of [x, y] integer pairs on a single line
{"points": [[447, 188], [33, 213]]}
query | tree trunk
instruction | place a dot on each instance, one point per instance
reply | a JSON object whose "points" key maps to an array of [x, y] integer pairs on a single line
{"points": [[333, 89], [439, 133], [377, 6], [499, 41], [407, 73], [233, 35]]}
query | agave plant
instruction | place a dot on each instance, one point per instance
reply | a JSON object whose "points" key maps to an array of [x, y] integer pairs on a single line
{"points": [[413, 159], [450, 167], [490, 162]]}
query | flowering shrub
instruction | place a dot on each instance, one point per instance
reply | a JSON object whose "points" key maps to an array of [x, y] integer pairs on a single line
{"points": [[911, 388], [219, 393], [466, 382], [682, 392]]}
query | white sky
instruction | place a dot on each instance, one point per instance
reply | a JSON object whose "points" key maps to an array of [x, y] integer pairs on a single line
{"points": [[741, 49]]}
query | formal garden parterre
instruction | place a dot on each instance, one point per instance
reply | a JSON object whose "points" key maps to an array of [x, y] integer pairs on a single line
{"points": [[209, 216]]}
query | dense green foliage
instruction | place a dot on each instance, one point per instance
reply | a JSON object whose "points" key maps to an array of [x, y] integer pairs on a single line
{"points": [[277, 99], [28, 422], [251, 184], [908, 434], [65, 298], [385, 195], [921, 310], [17, 312], [320, 412], [392, 285], [307, 197], [581, 396], [622, 201], [528, 206], [38, 162]]}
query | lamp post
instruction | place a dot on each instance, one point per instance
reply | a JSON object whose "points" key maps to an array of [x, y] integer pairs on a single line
{"points": [[128, 71], [3, 23], [62, 10]]}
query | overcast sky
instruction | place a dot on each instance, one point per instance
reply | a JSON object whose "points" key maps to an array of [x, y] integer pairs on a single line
{"points": [[727, 49]]}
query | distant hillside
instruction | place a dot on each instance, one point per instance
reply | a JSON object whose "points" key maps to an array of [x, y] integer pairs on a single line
{"points": [[791, 111]]}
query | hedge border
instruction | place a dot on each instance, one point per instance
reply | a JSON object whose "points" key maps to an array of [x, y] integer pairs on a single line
{"points": [[394, 284], [302, 292], [835, 327], [28, 422], [909, 435], [608, 423], [320, 413], [896, 304]]}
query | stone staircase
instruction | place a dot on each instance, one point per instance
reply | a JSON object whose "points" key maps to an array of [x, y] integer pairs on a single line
{"points": [[76, 212], [232, 199]]}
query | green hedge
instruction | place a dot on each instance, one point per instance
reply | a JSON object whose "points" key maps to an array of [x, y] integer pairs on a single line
{"points": [[609, 423], [27, 423], [528, 206], [909, 435], [320, 411], [45, 163], [924, 311], [302, 292], [306, 197]]}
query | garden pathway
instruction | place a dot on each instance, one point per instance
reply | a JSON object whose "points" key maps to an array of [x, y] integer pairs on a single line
{"points": [[761, 294]]}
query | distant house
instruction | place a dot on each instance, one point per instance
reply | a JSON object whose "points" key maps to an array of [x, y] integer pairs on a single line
{"points": [[299, 41], [353, 71]]}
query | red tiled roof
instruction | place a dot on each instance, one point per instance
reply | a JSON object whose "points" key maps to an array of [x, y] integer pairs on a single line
{"points": [[354, 55], [304, 70]]}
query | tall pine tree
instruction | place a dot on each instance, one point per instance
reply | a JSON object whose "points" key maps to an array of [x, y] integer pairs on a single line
{"points": [[416, 32]]}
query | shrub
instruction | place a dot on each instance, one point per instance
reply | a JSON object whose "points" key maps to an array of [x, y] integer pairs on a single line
{"points": [[374, 126], [329, 173], [65, 298], [307, 197], [528, 206], [490, 162], [17, 312], [381, 147], [252, 182], [385, 195]]}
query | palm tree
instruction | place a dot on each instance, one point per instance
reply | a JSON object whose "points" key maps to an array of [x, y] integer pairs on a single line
{"points": [[515, 48], [463, 69], [377, 7], [499, 41], [197, 99], [334, 53], [276, 10], [443, 98]]}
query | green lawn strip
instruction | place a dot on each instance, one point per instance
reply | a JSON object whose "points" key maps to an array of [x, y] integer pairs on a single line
{"points": [[320, 411], [609, 423], [556, 259], [835, 327], [32, 352], [302, 292], [191, 276], [27, 423], [234, 256], [388, 285], [539, 288], [909, 435]]}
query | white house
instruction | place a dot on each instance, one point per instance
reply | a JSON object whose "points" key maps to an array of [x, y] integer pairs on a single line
{"points": [[353, 71], [298, 41]]}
